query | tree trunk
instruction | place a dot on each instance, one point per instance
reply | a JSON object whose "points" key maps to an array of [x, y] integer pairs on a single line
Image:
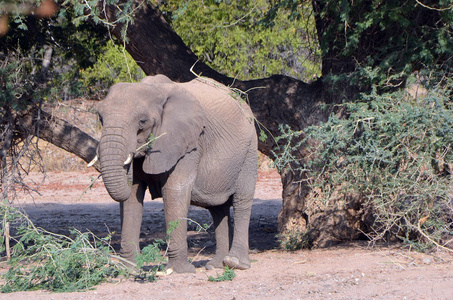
{"points": [[157, 49]]}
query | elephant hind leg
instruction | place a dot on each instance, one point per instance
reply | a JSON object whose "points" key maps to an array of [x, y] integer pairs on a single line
{"points": [[223, 233], [238, 256]]}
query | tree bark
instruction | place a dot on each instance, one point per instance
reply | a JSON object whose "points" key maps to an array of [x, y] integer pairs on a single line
{"points": [[157, 49]]}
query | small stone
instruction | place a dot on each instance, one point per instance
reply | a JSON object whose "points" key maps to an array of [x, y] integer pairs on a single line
{"points": [[426, 261]]}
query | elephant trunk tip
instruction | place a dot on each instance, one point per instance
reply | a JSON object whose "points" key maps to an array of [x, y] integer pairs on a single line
{"points": [[118, 186], [120, 197], [116, 166]]}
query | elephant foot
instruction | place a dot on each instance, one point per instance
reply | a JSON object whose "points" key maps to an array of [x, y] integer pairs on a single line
{"points": [[181, 267], [215, 263], [234, 262]]}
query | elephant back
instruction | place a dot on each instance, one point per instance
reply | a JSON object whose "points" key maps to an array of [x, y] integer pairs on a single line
{"points": [[222, 104]]}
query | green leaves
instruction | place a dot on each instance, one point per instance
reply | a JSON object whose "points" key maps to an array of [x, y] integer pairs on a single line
{"points": [[44, 260], [78, 262], [288, 143], [115, 65], [395, 151], [395, 38], [227, 275], [230, 37], [150, 254]]}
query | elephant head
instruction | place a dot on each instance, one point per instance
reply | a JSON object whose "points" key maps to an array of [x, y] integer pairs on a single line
{"points": [[131, 114]]}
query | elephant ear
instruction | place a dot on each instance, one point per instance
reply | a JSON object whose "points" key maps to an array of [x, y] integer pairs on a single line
{"points": [[182, 123]]}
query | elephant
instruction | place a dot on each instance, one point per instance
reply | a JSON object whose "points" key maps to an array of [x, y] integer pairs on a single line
{"points": [[203, 152]]}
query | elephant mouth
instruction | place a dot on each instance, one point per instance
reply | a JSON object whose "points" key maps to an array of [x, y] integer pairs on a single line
{"points": [[127, 162]]}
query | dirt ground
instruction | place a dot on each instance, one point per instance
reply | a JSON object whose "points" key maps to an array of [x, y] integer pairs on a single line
{"points": [[349, 271]]}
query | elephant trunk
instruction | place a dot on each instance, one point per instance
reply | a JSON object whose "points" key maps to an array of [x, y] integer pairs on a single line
{"points": [[112, 155]]}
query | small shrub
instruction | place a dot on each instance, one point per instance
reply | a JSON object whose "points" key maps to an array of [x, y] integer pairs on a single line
{"points": [[150, 254], [293, 240], [227, 275]]}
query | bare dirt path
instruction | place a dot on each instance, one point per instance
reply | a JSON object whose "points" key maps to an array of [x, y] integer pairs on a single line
{"points": [[351, 271]]}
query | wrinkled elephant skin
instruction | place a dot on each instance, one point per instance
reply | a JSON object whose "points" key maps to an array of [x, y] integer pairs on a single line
{"points": [[190, 143]]}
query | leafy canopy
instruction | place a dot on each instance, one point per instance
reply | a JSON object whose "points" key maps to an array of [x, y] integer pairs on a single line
{"points": [[115, 65], [230, 37], [395, 38], [24, 46]]}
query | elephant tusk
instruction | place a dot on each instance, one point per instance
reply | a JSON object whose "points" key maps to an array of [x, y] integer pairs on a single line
{"points": [[92, 162], [128, 159]]}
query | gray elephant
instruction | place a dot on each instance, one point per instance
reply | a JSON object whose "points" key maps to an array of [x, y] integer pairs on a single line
{"points": [[204, 153]]}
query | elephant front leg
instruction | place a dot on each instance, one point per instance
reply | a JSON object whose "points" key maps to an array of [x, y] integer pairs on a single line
{"points": [[176, 205], [131, 212], [223, 234]]}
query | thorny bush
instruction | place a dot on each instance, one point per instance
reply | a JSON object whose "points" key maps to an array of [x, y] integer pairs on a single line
{"points": [[393, 151]]}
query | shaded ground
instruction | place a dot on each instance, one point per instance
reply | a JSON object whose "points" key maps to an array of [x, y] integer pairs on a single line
{"points": [[351, 271]]}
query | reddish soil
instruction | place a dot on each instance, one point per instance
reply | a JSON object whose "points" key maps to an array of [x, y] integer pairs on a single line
{"points": [[352, 271]]}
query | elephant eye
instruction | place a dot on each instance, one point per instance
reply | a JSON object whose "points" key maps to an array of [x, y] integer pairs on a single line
{"points": [[142, 123]]}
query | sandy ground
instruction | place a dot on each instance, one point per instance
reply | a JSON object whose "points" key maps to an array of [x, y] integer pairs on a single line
{"points": [[348, 271]]}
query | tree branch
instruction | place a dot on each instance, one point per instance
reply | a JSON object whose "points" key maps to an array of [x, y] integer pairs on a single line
{"points": [[60, 133]]}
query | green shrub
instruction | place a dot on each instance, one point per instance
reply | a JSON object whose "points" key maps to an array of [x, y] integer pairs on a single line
{"points": [[393, 151], [45, 260], [227, 275], [293, 240]]}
